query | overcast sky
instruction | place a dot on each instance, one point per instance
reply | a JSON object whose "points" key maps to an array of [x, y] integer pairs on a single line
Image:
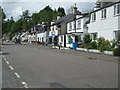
{"points": [[15, 8]]}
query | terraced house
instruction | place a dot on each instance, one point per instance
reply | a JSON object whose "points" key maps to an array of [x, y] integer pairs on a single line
{"points": [[105, 21]]}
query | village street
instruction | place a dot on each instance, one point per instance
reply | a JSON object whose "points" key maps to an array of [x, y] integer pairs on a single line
{"points": [[37, 66]]}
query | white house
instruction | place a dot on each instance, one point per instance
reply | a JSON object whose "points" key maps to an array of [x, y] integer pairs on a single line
{"points": [[53, 34], [76, 29], [105, 22], [41, 37], [24, 36]]}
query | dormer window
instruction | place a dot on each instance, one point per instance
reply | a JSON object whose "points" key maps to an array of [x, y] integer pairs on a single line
{"points": [[103, 13]]}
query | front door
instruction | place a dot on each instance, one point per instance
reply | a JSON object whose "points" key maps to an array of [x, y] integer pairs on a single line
{"points": [[64, 40]]}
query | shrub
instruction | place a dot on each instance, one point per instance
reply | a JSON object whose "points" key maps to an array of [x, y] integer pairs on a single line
{"points": [[87, 39], [116, 51], [101, 45], [104, 45], [93, 45], [107, 45]]}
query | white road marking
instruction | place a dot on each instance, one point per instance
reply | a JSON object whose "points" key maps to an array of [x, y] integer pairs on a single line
{"points": [[11, 68], [3, 56], [18, 76], [5, 59], [25, 84], [7, 62]]}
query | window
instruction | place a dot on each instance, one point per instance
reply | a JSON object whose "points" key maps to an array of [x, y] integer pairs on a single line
{"points": [[73, 24], [118, 9], [103, 14], [61, 38], [78, 38], [79, 24], [117, 35], [94, 36], [70, 26], [114, 9], [93, 16]]}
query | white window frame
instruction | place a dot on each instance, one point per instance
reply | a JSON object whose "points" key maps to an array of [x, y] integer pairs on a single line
{"points": [[92, 36], [116, 34], [117, 9], [94, 16], [61, 37], [79, 24], [73, 25], [70, 26], [104, 13]]}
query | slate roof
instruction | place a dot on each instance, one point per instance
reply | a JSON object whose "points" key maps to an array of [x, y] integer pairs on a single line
{"points": [[106, 6], [65, 18]]}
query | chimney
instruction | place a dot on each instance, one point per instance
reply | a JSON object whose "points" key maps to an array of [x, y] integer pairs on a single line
{"points": [[74, 9], [97, 5]]}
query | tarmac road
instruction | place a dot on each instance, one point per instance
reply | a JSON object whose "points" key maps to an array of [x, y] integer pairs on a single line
{"points": [[43, 67]]}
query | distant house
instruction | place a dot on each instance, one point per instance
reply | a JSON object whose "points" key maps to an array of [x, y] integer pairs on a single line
{"points": [[32, 37], [105, 22], [42, 34], [24, 36]]}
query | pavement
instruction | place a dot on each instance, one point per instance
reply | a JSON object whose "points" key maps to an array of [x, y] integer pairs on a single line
{"points": [[43, 67]]}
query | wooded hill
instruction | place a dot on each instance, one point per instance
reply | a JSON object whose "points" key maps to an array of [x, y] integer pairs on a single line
{"points": [[26, 21]]}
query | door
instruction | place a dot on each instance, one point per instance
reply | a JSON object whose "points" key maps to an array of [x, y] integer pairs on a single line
{"points": [[64, 40]]}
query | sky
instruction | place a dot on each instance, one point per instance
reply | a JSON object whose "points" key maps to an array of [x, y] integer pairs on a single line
{"points": [[15, 8]]}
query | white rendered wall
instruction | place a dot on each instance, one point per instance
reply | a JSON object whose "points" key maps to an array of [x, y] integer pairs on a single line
{"points": [[105, 27]]}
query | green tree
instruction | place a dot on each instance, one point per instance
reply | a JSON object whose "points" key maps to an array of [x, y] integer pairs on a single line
{"points": [[61, 11]]}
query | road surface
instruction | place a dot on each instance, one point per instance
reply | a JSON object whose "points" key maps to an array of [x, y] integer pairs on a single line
{"points": [[36, 66]]}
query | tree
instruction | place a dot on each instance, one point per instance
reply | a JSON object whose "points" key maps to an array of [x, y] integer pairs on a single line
{"points": [[25, 15], [35, 18], [7, 25], [61, 11], [46, 14]]}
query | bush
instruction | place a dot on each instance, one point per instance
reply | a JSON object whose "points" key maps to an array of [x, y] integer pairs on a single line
{"points": [[93, 45], [87, 39], [116, 52], [104, 45]]}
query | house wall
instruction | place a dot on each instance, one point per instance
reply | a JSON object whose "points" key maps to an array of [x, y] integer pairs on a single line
{"points": [[105, 27], [31, 38], [78, 29], [53, 30], [61, 42], [41, 37]]}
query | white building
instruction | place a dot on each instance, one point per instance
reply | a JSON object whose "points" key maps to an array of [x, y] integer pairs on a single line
{"points": [[53, 34], [105, 22], [76, 29], [41, 37]]}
